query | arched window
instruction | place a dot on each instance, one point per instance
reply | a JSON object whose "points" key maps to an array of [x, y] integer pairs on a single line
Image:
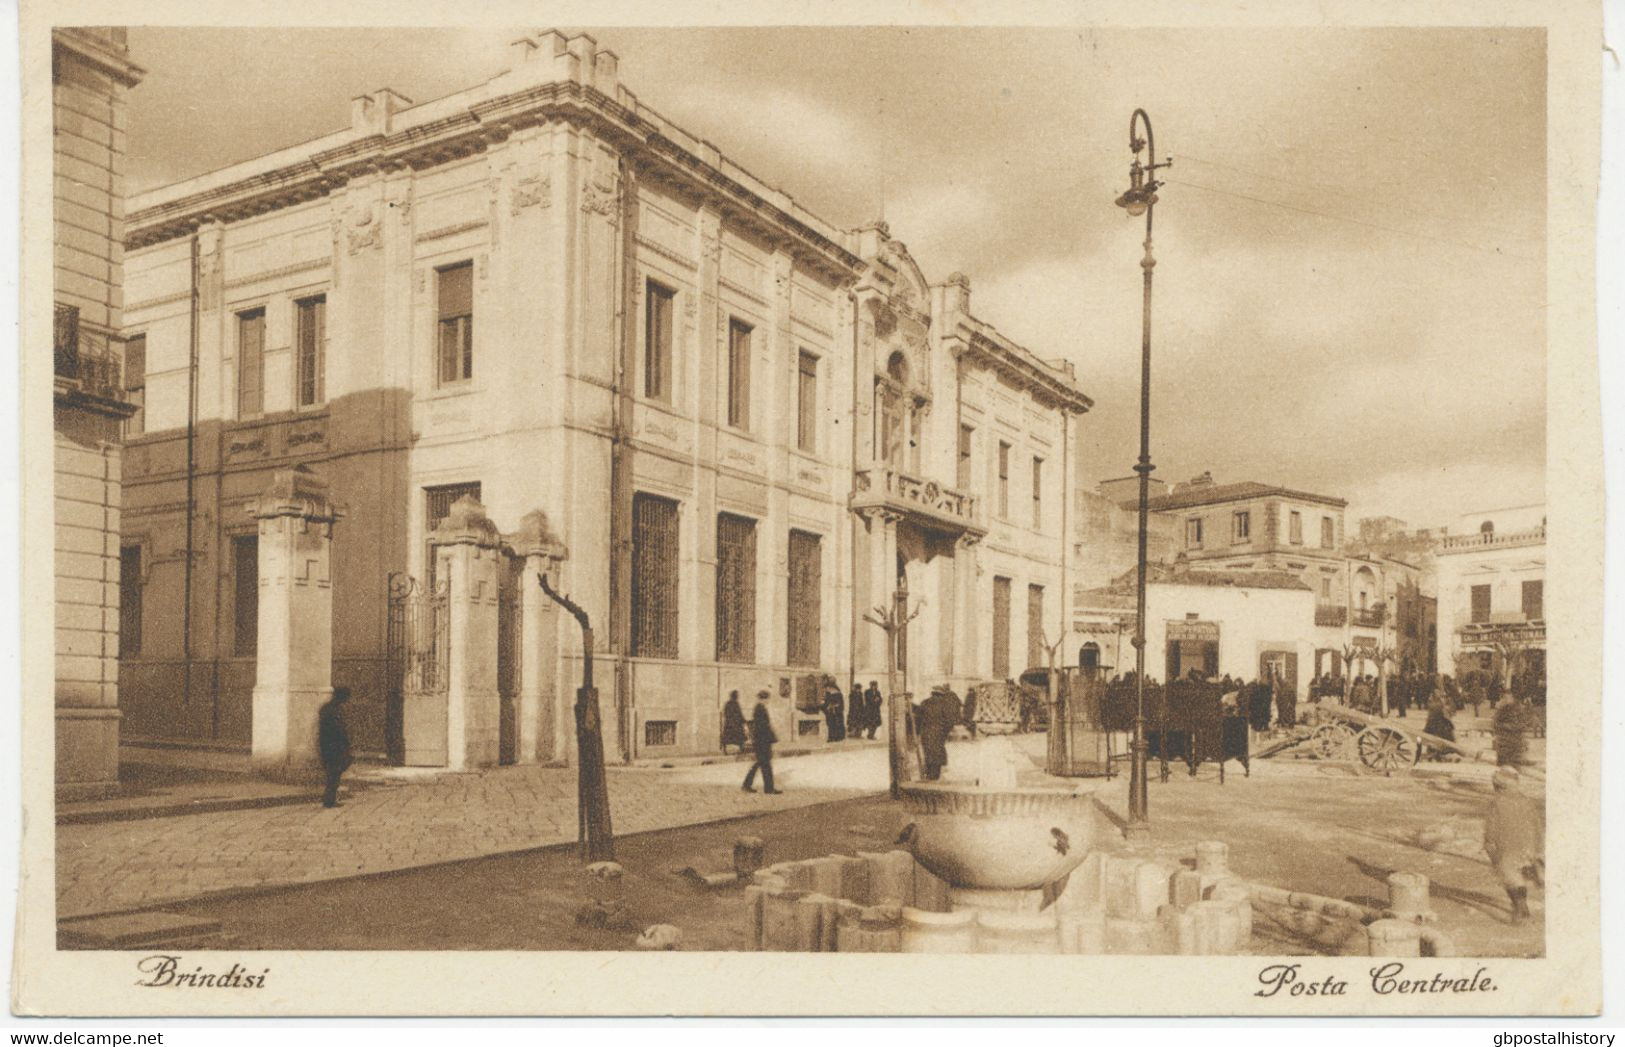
{"points": [[1089, 657]]}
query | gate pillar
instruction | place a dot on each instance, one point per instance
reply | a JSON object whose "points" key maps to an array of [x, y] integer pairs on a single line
{"points": [[293, 669], [468, 552], [537, 714]]}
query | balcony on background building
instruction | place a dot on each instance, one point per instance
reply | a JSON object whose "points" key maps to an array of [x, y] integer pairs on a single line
{"points": [[881, 486], [91, 373], [1461, 543], [1368, 617], [1331, 614]]}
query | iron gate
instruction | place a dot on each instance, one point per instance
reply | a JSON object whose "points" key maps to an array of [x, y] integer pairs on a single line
{"points": [[417, 650]]}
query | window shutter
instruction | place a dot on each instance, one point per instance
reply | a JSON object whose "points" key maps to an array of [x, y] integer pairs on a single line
{"points": [[457, 291], [135, 363]]}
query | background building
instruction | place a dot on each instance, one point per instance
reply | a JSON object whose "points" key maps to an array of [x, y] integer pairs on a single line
{"points": [[1492, 600], [747, 424], [90, 73]]}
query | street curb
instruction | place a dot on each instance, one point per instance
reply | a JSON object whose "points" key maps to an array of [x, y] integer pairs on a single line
{"points": [[230, 893], [176, 810]]}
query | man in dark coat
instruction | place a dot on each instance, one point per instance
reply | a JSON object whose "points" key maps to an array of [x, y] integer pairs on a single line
{"points": [[761, 740], [873, 717], [834, 711], [855, 717], [333, 743], [733, 724], [936, 717]]}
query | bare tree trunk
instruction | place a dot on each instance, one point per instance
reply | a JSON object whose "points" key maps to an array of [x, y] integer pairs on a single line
{"points": [[594, 833]]}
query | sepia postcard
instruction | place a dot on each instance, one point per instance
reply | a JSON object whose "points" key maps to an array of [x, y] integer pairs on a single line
{"points": [[870, 509]]}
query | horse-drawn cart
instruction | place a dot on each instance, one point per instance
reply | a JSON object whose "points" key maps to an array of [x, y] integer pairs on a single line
{"points": [[1382, 744]]}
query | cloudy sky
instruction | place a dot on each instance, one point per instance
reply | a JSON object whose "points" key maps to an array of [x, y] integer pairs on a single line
{"points": [[1350, 279]]}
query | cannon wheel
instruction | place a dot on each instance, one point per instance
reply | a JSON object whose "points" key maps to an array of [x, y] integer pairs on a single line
{"points": [[1331, 741], [1388, 750]]}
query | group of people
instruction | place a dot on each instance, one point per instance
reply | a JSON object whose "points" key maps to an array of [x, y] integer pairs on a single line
{"points": [[760, 737]]}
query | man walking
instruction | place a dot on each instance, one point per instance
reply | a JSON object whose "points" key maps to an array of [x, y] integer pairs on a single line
{"points": [[761, 740], [333, 743]]}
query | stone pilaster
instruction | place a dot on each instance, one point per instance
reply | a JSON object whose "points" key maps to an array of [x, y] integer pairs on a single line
{"points": [[294, 663], [468, 551], [537, 714]]}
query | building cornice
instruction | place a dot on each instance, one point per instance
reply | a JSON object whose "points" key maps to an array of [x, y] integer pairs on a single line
{"points": [[94, 51], [1025, 372], [475, 129]]}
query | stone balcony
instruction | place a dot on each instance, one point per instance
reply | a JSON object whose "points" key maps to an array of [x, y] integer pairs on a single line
{"points": [[1464, 543], [1368, 617], [927, 501]]}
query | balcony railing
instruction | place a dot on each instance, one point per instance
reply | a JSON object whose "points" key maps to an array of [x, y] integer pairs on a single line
{"points": [[96, 373], [1456, 543], [1334, 615], [883, 486], [1368, 617]]}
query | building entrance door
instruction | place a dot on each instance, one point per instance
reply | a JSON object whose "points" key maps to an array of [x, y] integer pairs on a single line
{"points": [[1280, 663]]}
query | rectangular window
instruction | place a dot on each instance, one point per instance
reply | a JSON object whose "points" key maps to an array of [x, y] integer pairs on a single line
{"points": [[1036, 653], [657, 377], [1004, 480], [1038, 494], [1241, 526], [129, 601], [1534, 600], [805, 597], [659, 732], [739, 374], [456, 284], [250, 363], [1295, 527], [1325, 588], [312, 346], [135, 383], [1481, 603], [1001, 628], [654, 577], [245, 569], [437, 503], [736, 588], [807, 402], [1328, 535], [965, 435], [1193, 533]]}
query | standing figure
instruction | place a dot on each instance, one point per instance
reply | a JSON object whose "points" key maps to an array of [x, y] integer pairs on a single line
{"points": [[936, 717], [1286, 702], [1515, 840], [855, 716], [761, 740], [333, 743], [834, 711], [1509, 726], [871, 708], [1439, 724], [969, 718], [733, 724]]}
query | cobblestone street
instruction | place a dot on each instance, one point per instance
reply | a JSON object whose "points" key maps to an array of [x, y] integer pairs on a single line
{"points": [[392, 822]]}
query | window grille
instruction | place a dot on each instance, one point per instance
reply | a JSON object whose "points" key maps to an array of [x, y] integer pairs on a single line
{"points": [[659, 732], [245, 558], [739, 374], [437, 503], [805, 599], [250, 363], [1001, 628], [654, 577], [312, 334], [657, 376], [736, 589], [456, 356]]}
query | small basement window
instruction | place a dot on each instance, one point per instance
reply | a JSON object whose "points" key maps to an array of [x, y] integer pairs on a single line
{"points": [[659, 732], [807, 728]]}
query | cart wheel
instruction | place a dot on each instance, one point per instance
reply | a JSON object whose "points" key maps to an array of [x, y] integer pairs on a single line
{"points": [[1331, 741], [1387, 750]]}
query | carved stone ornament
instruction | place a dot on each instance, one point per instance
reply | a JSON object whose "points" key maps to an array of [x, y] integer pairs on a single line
{"points": [[596, 200], [362, 229], [532, 191]]}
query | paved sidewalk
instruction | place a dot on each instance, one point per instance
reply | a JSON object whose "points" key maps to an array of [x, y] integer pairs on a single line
{"points": [[391, 821]]}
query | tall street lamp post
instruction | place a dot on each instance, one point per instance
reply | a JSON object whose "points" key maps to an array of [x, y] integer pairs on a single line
{"points": [[1141, 198]]}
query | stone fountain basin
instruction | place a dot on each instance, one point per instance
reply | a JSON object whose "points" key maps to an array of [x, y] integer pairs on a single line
{"points": [[1021, 838]]}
